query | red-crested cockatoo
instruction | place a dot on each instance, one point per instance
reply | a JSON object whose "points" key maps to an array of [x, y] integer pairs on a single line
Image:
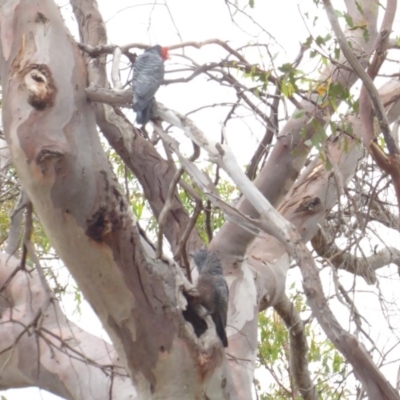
{"points": [[148, 73]]}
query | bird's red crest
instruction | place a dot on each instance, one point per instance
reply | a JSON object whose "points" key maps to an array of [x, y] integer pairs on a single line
{"points": [[164, 53]]}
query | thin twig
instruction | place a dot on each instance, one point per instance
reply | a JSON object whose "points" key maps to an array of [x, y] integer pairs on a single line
{"points": [[14, 235], [181, 249], [364, 76], [168, 203]]}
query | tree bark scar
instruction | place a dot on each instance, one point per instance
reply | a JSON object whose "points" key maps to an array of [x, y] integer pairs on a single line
{"points": [[47, 156], [41, 18], [39, 83], [310, 205], [99, 224], [208, 360]]}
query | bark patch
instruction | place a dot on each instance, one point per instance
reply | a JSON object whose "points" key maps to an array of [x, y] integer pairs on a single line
{"points": [[106, 218], [310, 205], [39, 83], [46, 157], [99, 224], [41, 18]]}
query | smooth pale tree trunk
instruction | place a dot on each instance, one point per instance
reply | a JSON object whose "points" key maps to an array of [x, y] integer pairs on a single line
{"points": [[51, 132]]}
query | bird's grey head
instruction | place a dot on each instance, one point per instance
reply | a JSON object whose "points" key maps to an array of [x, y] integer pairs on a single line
{"points": [[160, 51], [208, 261], [200, 258]]}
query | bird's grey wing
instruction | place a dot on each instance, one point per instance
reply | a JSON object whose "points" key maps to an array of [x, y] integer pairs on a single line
{"points": [[145, 89], [220, 313], [147, 78], [221, 299]]}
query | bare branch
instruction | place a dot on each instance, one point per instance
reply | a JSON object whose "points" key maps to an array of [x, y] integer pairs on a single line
{"points": [[14, 234], [298, 348], [168, 205], [115, 69], [110, 96], [367, 81], [166, 209], [290, 152]]}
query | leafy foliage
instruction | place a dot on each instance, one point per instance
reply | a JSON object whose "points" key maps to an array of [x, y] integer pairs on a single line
{"points": [[329, 366]]}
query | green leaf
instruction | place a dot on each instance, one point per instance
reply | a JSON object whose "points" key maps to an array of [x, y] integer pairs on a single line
{"points": [[287, 67], [320, 41], [349, 20], [287, 87], [308, 42], [356, 106], [366, 34], [298, 114], [382, 142], [337, 362], [338, 91]]}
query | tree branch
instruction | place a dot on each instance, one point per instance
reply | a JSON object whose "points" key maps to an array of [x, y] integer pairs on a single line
{"points": [[298, 348], [289, 153], [54, 344], [274, 224], [361, 266], [369, 94]]}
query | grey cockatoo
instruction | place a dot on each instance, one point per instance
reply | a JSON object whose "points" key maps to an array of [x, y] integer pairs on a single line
{"points": [[148, 73], [213, 290]]}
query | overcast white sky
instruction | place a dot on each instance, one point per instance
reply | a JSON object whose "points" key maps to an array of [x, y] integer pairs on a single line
{"points": [[197, 20]]}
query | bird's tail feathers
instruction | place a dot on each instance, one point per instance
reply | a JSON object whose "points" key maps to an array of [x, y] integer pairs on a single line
{"points": [[143, 117], [221, 333]]}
